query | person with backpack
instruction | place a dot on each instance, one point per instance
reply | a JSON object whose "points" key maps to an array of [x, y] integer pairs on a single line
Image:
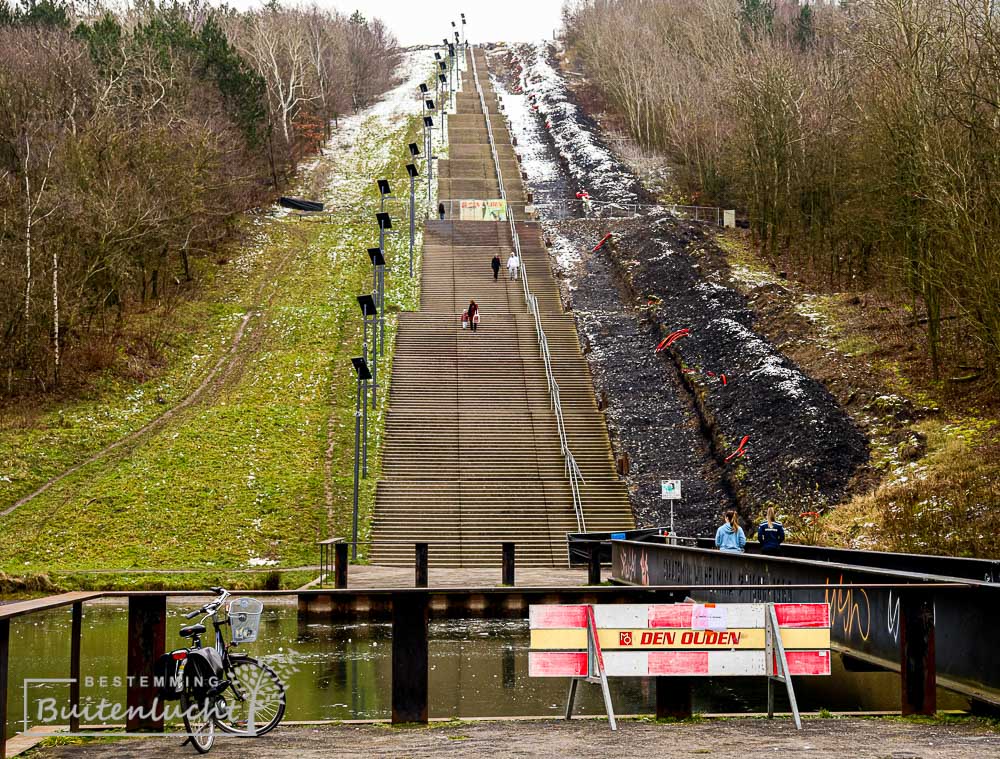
{"points": [[495, 265], [770, 534], [730, 536], [473, 312]]}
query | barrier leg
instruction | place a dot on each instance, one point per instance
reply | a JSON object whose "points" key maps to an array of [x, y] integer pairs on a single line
{"points": [[571, 698]]}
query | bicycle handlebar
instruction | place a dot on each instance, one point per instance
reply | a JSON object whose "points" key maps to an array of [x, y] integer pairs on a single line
{"points": [[210, 608]]}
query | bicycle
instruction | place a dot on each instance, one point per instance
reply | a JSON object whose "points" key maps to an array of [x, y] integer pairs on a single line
{"points": [[247, 698]]}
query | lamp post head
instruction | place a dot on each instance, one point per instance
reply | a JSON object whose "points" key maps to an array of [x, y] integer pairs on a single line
{"points": [[429, 103], [383, 187], [428, 121], [384, 222], [414, 150], [443, 78], [411, 169], [367, 304], [375, 254], [423, 88], [361, 367]]}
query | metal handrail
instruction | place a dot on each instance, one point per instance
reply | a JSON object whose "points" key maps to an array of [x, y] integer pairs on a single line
{"points": [[573, 473]]}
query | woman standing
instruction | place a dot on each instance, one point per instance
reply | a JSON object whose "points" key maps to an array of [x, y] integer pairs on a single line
{"points": [[730, 536], [473, 313], [771, 534]]}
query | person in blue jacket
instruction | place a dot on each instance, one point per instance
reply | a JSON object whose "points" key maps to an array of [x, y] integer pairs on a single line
{"points": [[770, 534], [730, 536]]}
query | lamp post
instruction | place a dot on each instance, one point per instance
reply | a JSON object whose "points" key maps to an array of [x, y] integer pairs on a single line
{"points": [[428, 128], [451, 73], [458, 68], [444, 83], [411, 169], [361, 369], [369, 312], [384, 225]]}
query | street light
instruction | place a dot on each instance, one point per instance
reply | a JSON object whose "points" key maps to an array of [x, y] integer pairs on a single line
{"points": [[361, 369], [442, 67], [384, 225], [369, 311], [411, 169], [428, 130]]}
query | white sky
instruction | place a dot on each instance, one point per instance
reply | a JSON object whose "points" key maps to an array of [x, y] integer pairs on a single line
{"points": [[427, 21]]}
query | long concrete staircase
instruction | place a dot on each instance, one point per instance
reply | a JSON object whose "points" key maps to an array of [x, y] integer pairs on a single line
{"points": [[472, 455]]}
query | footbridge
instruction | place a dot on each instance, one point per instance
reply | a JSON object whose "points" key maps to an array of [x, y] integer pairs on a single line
{"points": [[933, 619], [495, 435]]}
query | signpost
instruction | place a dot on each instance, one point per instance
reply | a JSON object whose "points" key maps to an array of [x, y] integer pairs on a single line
{"points": [[670, 490]]}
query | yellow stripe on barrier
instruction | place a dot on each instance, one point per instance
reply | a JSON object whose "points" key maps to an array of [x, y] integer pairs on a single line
{"points": [[674, 639]]}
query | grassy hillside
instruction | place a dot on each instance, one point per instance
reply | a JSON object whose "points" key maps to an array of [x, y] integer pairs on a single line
{"points": [[259, 466]]}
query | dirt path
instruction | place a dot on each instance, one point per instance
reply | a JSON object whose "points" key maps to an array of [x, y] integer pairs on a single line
{"points": [[224, 372], [721, 739]]}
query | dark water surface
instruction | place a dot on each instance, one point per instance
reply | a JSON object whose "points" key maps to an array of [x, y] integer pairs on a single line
{"points": [[479, 668]]}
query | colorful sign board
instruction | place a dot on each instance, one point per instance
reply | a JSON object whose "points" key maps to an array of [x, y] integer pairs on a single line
{"points": [[670, 490], [678, 639], [483, 210]]}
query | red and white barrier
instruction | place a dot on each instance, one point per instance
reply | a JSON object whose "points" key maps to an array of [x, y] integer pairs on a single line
{"points": [[709, 640]]}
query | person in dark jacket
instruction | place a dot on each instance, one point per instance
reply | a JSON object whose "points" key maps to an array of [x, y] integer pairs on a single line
{"points": [[473, 313], [770, 534], [495, 265], [441, 211]]}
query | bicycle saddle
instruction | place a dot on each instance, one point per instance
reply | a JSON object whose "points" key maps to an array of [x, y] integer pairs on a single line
{"points": [[192, 630]]}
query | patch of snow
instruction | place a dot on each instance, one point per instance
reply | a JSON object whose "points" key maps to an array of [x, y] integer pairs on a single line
{"points": [[590, 162]]}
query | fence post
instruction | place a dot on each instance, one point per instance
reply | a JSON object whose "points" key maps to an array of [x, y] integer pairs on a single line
{"points": [[4, 672], [147, 639], [76, 633], [917, 660], [409, 657], [594, 564], [508, 564], [420, 565], [340, 565]]}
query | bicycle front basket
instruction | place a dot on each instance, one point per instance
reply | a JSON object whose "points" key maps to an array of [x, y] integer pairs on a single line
{"points": [[244, 616]]}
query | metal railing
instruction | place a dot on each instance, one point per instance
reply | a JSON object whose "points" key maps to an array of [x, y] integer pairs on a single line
{"points": [[573, 473]]}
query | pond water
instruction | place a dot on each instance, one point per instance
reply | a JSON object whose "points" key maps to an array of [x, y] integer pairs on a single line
{"points": [[479, 668]]}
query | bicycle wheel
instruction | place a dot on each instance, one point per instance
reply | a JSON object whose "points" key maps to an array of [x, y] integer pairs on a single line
{"points": [[199, 721], [254, 700]]}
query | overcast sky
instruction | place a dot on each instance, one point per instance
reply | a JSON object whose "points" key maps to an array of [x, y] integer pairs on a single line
{"points": [[416, 21]]}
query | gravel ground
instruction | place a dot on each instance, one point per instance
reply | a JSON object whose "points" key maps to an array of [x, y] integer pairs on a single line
{"points": [[651, 415], [682, 413], [727, 739]]}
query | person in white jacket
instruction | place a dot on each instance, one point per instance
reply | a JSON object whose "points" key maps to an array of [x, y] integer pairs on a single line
{"points": [[513, 265]]}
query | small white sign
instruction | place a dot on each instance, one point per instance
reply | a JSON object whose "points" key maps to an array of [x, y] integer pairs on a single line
{"points": [[709, 617], [670, 490]]}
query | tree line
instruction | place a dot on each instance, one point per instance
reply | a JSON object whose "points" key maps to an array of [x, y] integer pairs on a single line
{"points": [[130, 141], [862, 139]]}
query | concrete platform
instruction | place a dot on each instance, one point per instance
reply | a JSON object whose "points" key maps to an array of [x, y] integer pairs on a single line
{"points": [[739, 738]]}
